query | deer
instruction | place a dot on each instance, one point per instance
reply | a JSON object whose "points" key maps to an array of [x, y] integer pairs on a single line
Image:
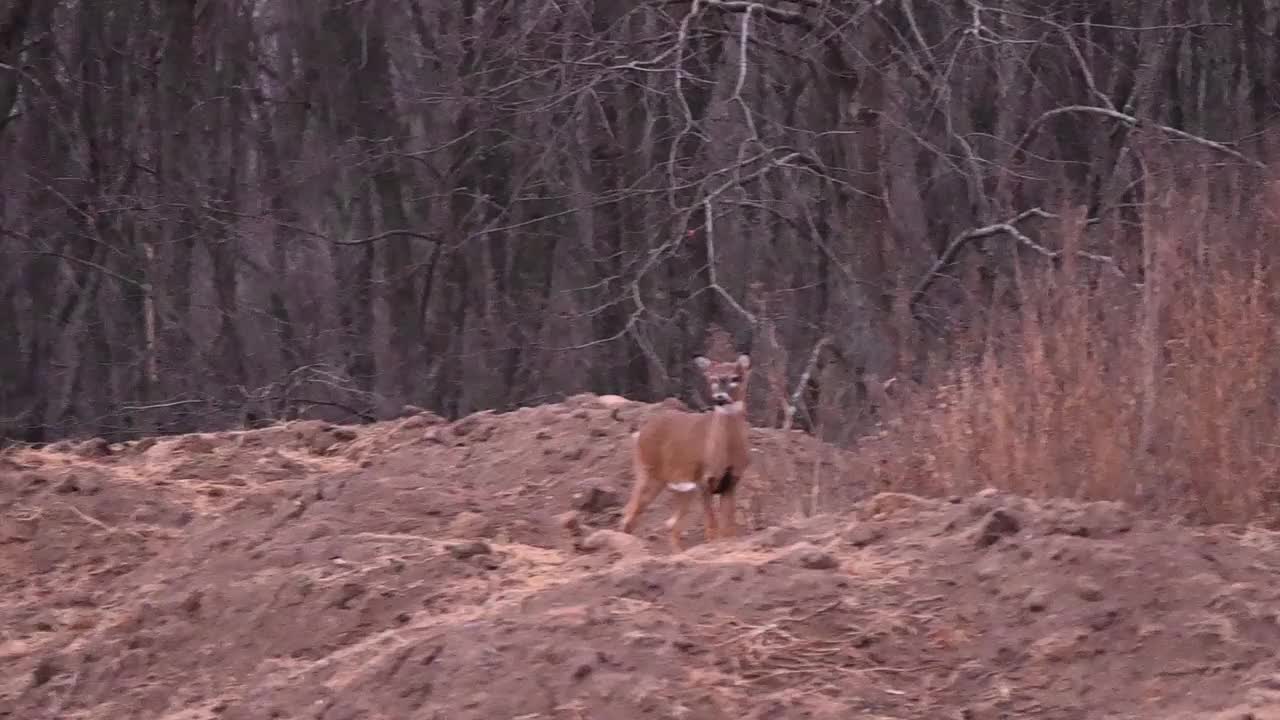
{"points": [[703, 455]]}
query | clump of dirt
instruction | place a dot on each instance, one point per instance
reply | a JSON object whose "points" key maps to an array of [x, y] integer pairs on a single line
{"points": [[421, 568]]}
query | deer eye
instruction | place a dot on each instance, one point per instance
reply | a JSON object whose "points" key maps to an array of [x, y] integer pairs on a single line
{"points": [[735, 379]]}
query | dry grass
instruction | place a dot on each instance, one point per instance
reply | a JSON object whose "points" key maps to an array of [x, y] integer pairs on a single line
{"points": [[1088, 386]]}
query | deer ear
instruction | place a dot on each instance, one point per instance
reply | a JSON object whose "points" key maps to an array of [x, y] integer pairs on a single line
{"points": [[702, 362], [744, 363]]}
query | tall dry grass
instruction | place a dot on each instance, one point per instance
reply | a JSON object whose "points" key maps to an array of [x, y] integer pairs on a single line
{"points": [[1163, 393]]}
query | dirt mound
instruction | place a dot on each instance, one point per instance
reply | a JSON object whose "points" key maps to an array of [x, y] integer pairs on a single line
{"points": [[419, 568]]}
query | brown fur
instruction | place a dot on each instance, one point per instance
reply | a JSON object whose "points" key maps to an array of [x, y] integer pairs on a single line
{"points": [[710, 450]]}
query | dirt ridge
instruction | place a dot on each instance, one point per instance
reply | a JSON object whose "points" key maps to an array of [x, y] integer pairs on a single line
{"points": [[422, 568]]}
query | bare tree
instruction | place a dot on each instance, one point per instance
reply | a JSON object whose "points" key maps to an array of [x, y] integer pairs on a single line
{"points": [[274, 207]]}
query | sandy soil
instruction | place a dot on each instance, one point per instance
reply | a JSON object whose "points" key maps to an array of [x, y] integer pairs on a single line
{"points": [[423, 569]]}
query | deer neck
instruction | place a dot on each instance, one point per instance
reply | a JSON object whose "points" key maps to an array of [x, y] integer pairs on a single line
{"points": [[728, 419]]}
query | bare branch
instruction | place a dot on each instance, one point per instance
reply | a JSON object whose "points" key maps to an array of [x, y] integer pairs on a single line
{"points": [[83, 262], [1133, 122], [387, 235], [797, 396], [1008, 227], [787, 17]]}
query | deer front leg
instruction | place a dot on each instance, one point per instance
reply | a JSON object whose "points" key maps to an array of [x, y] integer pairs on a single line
{"points": [[679, 519], [709, 515], [728, 521]]}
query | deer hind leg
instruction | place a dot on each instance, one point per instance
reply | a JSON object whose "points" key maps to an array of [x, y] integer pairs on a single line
{"points": [[643, 490]]}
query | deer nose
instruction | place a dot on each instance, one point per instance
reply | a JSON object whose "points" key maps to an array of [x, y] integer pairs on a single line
{"points": [[721, 398]]}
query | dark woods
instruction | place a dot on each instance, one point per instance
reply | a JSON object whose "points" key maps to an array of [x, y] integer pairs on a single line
{"points": [[214, 213]]}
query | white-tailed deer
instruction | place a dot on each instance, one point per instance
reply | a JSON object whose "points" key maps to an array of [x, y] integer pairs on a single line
{"points": [[701, 455]]}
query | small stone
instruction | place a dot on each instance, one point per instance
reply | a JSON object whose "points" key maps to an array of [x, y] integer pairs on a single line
{"points": [[471, 423], [93, 448], [885, 504], [989, 569], [321, 442], [422, 419], [543, 434], [469, 524], [43, 672], [1089, 590], [863, 535], [343, 434], [78, 484], [998, 524], [810, 557], [819, 560], [1103, 620], [614, 540], [194, 444], [570, 522], [595, 497], [462, 551], [1037, 600], [348, 592]]}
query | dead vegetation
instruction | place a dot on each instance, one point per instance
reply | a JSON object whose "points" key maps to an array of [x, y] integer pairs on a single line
{"points": [[1082, 384]]}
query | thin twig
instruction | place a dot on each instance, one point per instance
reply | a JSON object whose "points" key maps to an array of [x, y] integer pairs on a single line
{"points": [[99, 524], [797, 395], [1008, 227], [1133, 122]]}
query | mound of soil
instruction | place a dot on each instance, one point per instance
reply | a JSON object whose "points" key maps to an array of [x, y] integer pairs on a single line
{"points": [[418, 568]]}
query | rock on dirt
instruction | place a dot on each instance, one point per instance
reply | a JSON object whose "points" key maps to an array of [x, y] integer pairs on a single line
{"points": [[421, 420], [885, 504], [810, 557], [79, 483], [470, 524], [93, 448], [595, 496], [619, 542], [570, 522], [462, 551], [998, 523], [612, 401]]}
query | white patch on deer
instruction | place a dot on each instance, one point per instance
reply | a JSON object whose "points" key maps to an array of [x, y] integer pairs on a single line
{"points": [[682, 487], [732, 409]]}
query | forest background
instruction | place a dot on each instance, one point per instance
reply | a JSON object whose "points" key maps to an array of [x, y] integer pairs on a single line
{"points": [[1012, 243]]}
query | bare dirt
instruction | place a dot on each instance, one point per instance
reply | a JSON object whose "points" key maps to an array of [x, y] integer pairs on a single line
{"points": [[422, 569]]}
